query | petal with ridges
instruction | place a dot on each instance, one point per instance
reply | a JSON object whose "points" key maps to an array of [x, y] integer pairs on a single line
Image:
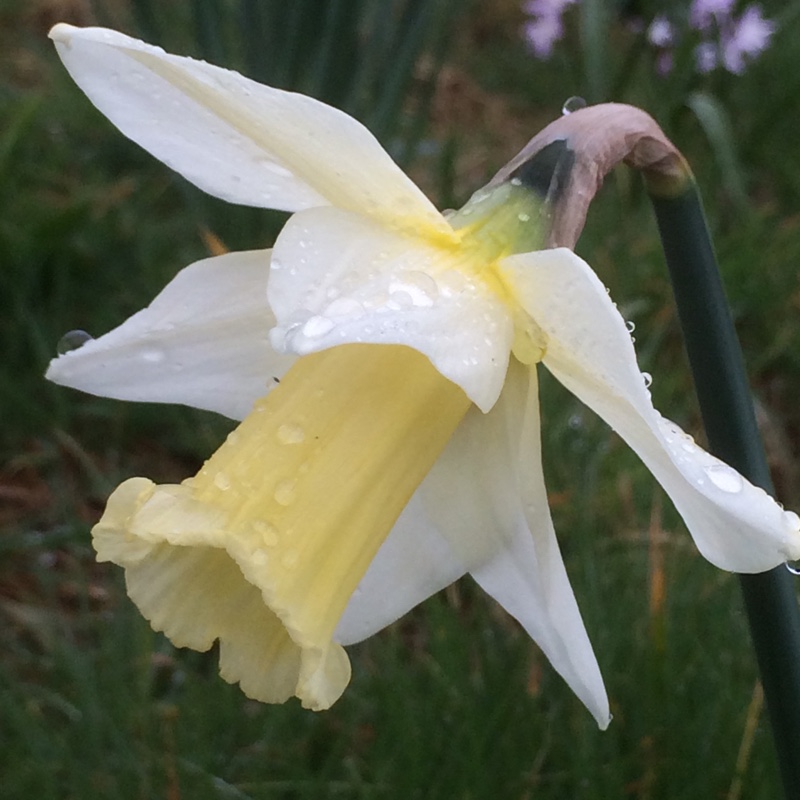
{"points": [[203, 342], [735, 525], [338, 277], [197, 594], [237, 139], [486, 494]]}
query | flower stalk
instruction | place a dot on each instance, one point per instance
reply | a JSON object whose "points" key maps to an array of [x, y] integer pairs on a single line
{"points": [[727, 410], [600, 137]]}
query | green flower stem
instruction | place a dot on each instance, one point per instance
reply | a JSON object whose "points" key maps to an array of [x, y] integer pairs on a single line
{"points": [[727, 409]]}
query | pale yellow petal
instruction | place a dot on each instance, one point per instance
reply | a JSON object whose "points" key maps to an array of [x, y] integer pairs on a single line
{"points": [[263, 548]]}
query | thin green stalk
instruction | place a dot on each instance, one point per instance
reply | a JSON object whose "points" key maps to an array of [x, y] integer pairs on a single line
{"points": [[729, 418]]}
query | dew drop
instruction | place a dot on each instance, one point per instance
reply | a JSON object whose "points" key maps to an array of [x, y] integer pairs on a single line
{"points": [[289, 433], [274, 168], [725, 478], [267, 531], [516, 181], [73, 340], [631, 326], [415, 288], [648, 380], [573, 103], [284, 492], [688, 445], [793, 567], [791, 521], [153, 356], [222, 482], [290, 559], [318, 326], [522, 217]]}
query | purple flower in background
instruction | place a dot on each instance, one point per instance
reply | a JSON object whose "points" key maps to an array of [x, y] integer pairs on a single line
{"points": [[664, 62], [661, 32], [726, 40], [703, 14], [545, 27], [706, 57], [748, 37]]}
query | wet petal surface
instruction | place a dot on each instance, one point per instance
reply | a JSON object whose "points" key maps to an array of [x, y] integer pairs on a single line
{"points": [[340, 278], [735, 525], [237, 139], [202, 342]]}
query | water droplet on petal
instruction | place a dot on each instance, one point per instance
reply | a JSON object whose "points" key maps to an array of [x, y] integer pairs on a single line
{"points": [[516, 181], [648, 380], [725, 478], [687, 443], [284, 492], [631, 326], [73, 340], [222, 482], [153, 355], [288, 433], [318, 326], [274, 168], [415, 288], [268, 532], [791, 521], [522, 217], [573, 103]]}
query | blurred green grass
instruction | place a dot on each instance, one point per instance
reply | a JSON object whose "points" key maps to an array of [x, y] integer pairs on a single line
{"points": [[453, 701]]}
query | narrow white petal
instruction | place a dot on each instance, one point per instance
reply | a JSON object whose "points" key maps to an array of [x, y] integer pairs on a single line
{"points": [[487, 496], [413, 563], [203, 342], [735, 525], [237, 139], [339, 278]]}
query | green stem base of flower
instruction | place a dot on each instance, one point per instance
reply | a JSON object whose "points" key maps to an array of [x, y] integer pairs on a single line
{"points": [[727, 409]]}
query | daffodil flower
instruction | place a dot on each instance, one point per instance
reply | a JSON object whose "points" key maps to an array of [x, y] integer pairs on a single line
{"points": [[383, 358]]}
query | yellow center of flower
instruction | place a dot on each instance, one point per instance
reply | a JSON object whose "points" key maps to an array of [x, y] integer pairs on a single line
{"points": [[299, 499]]}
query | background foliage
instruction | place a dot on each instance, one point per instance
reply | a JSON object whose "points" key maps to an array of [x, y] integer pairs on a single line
{"points": [[453, 701]]}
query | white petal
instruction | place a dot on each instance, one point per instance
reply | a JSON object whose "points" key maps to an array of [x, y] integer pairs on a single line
{"points": [[203, 342], [339, 278], [237, 139], [413, 563], [735, 525], [487, 496]]}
